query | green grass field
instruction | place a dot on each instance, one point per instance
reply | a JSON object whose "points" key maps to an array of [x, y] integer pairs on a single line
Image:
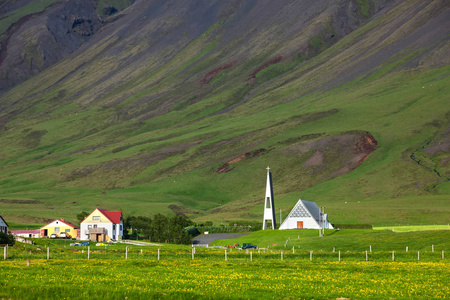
{"points": [[115, 272]]}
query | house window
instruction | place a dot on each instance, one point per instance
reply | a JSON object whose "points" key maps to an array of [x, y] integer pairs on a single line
{"points": [[96, 218], [120, 227], [89, 226], [56, 229], [67, 230], [114, 227], [95, 225]]}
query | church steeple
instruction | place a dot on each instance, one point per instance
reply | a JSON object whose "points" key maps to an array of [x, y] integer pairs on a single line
{"points": [[269, 207]]}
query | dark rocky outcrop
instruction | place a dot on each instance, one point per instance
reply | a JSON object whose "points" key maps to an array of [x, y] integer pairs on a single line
{"points": [[39, 40]]}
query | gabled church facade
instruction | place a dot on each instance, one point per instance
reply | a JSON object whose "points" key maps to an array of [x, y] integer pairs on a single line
{"points": [[306, 215]]}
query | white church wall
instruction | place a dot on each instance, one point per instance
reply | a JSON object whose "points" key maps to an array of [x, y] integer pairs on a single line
{"points": [[291, 223]]}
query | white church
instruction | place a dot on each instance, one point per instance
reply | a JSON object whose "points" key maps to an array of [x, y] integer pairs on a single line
{"points": [[304, 215]]}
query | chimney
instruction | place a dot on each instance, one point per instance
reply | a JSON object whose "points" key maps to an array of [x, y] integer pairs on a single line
{"points": [[62, 219]]}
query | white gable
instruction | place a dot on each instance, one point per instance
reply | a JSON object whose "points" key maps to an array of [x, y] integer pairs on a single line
{"points": [[299, 211], [57, 223]]}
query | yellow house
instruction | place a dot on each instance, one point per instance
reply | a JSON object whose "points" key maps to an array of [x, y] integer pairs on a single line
{"points": [[60, 229]]}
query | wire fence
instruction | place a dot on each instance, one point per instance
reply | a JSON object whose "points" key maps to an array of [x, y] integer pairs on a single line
{"points": [[208, 254]]}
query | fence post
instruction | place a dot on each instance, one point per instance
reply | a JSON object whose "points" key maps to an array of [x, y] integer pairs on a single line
{"points": [[251, 255], [141, 251], [158, 253], [370, 248], [418, 255], [334, 249], [366, 256], [432, 248], [193, 253], [225, 254], [89, 251], [406, 248], [393, 256], [442, 254], [48, 253], [310, 255], [339, 255], [5, 254], [281, 255], [293, 250]]}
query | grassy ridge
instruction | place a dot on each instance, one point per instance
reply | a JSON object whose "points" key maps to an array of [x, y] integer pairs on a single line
{"points": [[31, 8]]}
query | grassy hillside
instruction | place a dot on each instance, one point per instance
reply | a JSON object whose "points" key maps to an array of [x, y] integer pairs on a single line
{"points": [[153, 116]]}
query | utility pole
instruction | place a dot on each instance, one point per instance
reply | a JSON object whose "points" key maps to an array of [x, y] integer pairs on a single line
{"points": [[323, 220], [320, 221]]}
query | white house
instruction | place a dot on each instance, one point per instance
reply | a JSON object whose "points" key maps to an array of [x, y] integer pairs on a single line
{"points": [[102, 225], [3, 225], [306, 215]]}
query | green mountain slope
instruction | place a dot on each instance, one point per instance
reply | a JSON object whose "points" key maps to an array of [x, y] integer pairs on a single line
{"points": [[178, 107]]}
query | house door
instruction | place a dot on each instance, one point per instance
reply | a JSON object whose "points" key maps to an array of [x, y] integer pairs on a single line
{"points": [[299, 224]]}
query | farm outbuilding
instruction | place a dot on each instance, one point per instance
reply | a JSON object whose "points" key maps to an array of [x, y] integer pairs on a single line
{"points": [[27, 233], [3, 225], [306, 215]]}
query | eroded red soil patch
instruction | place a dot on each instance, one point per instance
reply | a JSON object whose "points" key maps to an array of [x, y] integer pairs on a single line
{"points": [[211, 74], [226, 167], [365, 146], [272, 62]]}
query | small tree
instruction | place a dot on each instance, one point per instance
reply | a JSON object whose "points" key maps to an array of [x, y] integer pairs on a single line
{"points": [[7, 239], [81, 216]]}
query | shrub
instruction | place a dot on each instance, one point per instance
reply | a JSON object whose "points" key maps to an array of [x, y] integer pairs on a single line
{"points": [[352, 226]]}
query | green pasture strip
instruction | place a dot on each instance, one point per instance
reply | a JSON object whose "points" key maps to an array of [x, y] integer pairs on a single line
{"points": [[189, 279], [413, 228], [345, 240]]}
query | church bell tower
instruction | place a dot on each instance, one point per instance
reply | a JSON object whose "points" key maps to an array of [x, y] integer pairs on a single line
{"points": [[269, 207]]}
